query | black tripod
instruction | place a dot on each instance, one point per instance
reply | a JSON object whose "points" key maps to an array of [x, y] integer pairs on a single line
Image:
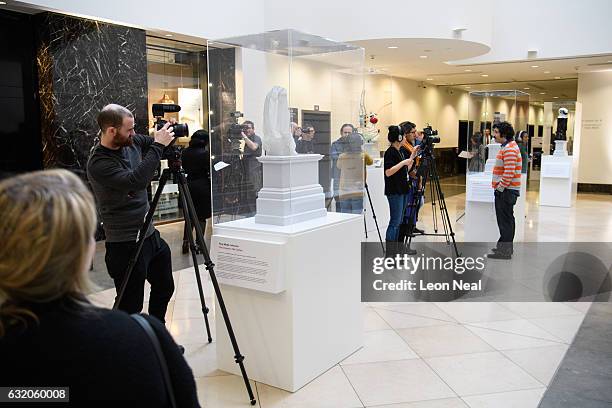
{"points": [[428, 173], [373, 216], [190, 217]]}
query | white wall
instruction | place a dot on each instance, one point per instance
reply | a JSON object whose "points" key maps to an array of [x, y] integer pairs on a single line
{"points": [[595, 144]]}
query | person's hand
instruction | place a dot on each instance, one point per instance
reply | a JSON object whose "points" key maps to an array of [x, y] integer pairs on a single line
{"points": [[165, 135], [243, 135], [407, 162], [415, 152]]}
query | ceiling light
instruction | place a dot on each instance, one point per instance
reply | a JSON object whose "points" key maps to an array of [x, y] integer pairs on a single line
{"points": [[2, 3], [392, 47], [526, 88], [555, 97], [430, 79], [557, 77], [547, 72], [484, 75], [168, 35], [468, 70], [422, 56], [542, 93], [535, 66], [467, 86]]}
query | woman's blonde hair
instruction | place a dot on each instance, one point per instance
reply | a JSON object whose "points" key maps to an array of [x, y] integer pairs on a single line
{"points": [[47, 221]]}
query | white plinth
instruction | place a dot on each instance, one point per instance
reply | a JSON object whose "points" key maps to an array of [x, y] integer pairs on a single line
{"points": [[290, 338], [480, 220], [492, 150], [291, 191], [556, 181], [376, 185]]}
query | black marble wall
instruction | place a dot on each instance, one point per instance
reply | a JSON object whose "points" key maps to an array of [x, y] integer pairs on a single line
{"points": [[82, 66]]}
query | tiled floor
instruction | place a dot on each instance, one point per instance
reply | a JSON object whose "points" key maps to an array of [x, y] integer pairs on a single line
{"points": [[415, 355]]}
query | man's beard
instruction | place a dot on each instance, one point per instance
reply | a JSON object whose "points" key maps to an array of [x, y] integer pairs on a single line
{"points": [[121, 141]]}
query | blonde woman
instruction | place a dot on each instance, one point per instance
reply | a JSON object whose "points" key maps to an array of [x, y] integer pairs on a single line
{"points": [[50, 335]]}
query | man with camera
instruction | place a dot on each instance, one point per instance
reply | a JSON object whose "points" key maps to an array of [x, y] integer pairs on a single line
{"points": [[120, 168], [252, 150], [507, 184]]}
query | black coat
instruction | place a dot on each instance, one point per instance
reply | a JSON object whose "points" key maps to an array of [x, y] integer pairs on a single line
{"points": [[196, 162]]}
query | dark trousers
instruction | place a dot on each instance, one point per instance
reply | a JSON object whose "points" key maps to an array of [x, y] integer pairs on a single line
{"points": [[504, 211], [154, 264]]}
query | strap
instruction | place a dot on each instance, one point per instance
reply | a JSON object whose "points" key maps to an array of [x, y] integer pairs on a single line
{"points": [[144, 323]]}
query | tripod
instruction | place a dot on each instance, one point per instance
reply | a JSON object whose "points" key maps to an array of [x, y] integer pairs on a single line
{"points": [[190, 217], [373, 216], [428, 172]]}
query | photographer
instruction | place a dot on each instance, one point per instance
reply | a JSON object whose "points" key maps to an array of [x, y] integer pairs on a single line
{"points": [[396, 166], [305, 145], [507, 185], [252, 150], [50, 334], [120, 171]]}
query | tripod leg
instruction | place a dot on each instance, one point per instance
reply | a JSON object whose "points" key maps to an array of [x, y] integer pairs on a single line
{"points": [[374, 217], [239, 358], [141, 237], [444, 209], [190, 217]]}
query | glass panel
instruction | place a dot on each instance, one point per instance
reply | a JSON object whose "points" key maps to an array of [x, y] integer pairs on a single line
{"points": [[176, 74]]}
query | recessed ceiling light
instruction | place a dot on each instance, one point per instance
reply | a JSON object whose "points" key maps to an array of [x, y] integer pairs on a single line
{"points": [[467, 86], [484, 75], [526, 88], [555, 97], [392, 47], [468, 70], [2, 3], [557, 77], [547, 72], [430, 79], [168, 35], [422, 56], [535, 66], [542, 93]]}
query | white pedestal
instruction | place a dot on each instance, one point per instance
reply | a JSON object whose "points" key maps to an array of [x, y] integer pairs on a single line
{"points": [[556, 181], [376, 185], [480, 220], [560, 148], [291, 337], [291, 191]]}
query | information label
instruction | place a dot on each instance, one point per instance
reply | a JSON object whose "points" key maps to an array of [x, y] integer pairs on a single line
{"points": [[249, 264], [479, 188]]}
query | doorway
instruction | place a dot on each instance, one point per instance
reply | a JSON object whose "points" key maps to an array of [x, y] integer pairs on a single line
{"points": [[466, 129]]}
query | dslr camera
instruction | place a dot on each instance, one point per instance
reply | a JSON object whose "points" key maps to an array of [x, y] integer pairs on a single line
{"points": [[160, 109]]}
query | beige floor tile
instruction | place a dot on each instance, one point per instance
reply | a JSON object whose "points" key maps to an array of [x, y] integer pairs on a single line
{"points": [[373, 321], [531, 310], [541, 362], [226, 391], [563, 327], [399, 320], [441, 403], [332, 389], [202, 359], [474, 312], [381, 345], [443, 341], [514, 399], [521, 327], [422, 309], [507, 341], [190, 331], [482, 373], [192, 309], [396, 382]]}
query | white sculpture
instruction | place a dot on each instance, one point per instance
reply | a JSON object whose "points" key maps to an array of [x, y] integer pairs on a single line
{"points": [[277, 137]]}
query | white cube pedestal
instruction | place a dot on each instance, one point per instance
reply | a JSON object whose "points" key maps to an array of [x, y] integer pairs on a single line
{"points": [[376, 185], [556, 180], [316, 320], [480, 220]]}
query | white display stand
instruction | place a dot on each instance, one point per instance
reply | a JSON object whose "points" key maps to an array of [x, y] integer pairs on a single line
{"points": [[305, 314], [291, 191], [556, 179], [560, 148], [376, 185], [480, 220]]}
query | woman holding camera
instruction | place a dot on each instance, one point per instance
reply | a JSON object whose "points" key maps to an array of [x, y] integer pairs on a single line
{"points": [[50, 334], [396, 166]]}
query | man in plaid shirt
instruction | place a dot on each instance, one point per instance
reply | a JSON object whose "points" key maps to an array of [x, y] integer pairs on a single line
{"points": [[507, 184]]}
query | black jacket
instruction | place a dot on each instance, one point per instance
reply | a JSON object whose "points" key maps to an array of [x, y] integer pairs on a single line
{"points": [[196, 162], [104, 356]]}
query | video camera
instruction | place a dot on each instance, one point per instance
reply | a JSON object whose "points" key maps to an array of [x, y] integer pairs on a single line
{"points": [[234, 133], [430, 137], [160, 109]]}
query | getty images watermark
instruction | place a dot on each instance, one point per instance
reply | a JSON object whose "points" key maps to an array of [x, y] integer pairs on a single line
{"points": [[537, 272]]}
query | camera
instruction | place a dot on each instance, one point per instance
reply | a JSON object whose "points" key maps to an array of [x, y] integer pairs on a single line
{"points": [[235, 130], [430, 137], [160, 109]]}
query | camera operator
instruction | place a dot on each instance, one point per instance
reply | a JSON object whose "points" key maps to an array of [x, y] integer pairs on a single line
{"points": [[120, 168], [305, 145], [397, 185], [252, 150], [507, 185]]}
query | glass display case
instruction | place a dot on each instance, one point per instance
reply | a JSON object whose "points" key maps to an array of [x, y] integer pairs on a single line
{"points": [[284, 115], [485, 108]]}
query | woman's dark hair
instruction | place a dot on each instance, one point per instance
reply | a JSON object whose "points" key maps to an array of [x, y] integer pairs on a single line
{"points": [[505, 129], [394, 133], [354, 143], [199, 138], [349, 125], [406, 127], [477, 136]]}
